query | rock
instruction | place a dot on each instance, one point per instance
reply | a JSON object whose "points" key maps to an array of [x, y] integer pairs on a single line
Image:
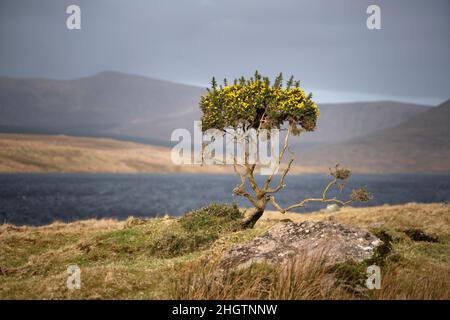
{"points": [[376, 224], [337, 242], [332, 208]]}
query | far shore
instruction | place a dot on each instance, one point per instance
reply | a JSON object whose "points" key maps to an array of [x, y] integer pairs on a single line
{"points": [[32, 153]]}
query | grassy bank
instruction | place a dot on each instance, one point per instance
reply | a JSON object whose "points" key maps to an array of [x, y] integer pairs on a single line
{"points": [[166, 258], [24, 153]]}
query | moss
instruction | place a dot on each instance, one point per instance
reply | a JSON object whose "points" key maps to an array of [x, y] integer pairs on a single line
{"points": [[354, 274], [383, 251]]}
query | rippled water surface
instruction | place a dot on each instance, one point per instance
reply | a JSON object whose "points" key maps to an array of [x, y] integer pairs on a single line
{"points": [[42, 198]]}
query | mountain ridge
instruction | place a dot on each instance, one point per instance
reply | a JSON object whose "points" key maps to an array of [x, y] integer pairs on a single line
{"points": [[134, 107], [146, 110], [420, 144]]}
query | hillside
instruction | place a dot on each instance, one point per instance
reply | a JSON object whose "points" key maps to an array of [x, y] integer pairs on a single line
{"points": [[420, 144], [343, 121], [160, 259], [50, 153], [374, 137], [136, 108], [109, 104]]}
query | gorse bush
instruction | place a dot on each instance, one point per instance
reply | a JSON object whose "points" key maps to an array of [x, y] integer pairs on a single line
{"points": [[253, 107], [258, 103]]}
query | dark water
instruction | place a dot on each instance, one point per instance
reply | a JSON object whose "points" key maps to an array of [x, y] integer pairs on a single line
{"points": [[38, 199]]}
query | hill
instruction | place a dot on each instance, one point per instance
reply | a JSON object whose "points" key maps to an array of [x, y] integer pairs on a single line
{"points": [[375, 137], [141, 109], [50, 153], [344, 121], [109, 104], [420, 144]]}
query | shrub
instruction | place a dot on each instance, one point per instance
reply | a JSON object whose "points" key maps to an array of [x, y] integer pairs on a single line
{"points": [[199, 228], [172, 245], [215, 217], [251, 107]]}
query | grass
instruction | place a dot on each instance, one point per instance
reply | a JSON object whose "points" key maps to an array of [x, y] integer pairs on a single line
{"points": [[171, 258], [60, 153], [196, 230]]}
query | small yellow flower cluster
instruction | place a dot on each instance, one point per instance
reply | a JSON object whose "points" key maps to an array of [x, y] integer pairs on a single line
{"points": [[248, 101]]}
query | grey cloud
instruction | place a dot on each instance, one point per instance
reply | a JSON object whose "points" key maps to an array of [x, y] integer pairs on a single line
{"points": [[324, 43]]}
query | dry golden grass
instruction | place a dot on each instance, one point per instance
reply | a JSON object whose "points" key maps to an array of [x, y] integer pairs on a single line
{"points": [[303, 278], [432, 218], [407, 284], [58, 153], [116, 262], [23, 153]]}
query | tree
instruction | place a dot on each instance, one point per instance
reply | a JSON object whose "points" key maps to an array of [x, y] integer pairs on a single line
{"points": [[257, 104]]}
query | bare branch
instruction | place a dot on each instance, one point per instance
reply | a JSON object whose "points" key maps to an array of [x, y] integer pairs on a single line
{"points": [[239, 189], [302, 203], [285, 147], [281, 184], [305, 201], [271, 199], [325, 191]]}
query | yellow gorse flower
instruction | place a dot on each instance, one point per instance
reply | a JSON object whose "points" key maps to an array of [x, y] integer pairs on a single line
{"points": [[246, 102]]}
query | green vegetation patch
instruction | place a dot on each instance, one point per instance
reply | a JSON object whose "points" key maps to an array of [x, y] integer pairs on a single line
{"points": [[199, 228], [215, 217], [354, 274], [418, 235], [172, 245]]}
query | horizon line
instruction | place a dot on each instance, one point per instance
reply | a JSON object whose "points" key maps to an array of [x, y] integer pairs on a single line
{"points": [[370, 97]]}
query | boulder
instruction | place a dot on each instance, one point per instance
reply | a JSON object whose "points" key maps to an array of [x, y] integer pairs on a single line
{"points": [[332, 208], [335, 241]]}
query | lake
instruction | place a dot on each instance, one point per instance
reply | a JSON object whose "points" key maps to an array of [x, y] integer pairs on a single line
{"points": [[37, 199]]}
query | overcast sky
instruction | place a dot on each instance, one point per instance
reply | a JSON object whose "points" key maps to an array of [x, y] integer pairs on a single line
{"points": [[326, 44]]}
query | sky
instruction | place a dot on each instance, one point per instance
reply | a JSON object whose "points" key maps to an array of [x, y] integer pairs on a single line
{"points": [[325, 44]]}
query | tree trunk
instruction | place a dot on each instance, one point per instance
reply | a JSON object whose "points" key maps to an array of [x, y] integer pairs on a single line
{"points": [[251, 218]]}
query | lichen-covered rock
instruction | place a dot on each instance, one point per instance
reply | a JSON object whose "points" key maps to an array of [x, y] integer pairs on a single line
{"points": [[337, 242], [332, 208]]}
